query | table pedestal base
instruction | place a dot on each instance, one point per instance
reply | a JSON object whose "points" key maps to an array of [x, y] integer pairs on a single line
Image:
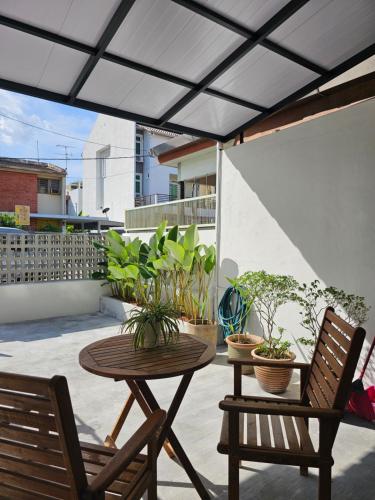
{"points": [[141, 392]]}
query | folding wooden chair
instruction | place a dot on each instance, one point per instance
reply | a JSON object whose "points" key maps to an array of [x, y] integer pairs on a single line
{"points": [[41, 457], [277, 430]]}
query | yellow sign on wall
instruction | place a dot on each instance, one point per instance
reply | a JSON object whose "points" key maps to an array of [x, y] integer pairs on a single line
{"points": [[22, 215]]}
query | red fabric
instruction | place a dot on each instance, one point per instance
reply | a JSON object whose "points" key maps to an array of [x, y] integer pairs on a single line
{"points": [[363, 404]]}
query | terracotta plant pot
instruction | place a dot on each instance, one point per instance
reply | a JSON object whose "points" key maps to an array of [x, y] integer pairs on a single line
{"points": [[241, 350], [203, 329], [273, 380]]}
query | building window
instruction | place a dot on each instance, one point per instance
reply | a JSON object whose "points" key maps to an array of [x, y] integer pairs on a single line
{"points": [[139, 147], [101, 174], [49, 186], [138, 185], [173, 187]]}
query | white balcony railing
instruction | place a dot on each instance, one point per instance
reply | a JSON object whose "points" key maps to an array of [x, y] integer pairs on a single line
{"points": [[200, 210]]}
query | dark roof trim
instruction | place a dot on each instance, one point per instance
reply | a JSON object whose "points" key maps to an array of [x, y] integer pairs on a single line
{"points": [[334, 98], [186, 149], [333, 73]]}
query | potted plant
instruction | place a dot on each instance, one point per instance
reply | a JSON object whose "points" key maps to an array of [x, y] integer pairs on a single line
{"points": [[240, 343], [152, 323], [314, 299], [268, 292], [201, 322]]}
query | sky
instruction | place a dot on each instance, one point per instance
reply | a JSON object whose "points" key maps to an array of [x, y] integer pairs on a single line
{"points": [[18, 140]]}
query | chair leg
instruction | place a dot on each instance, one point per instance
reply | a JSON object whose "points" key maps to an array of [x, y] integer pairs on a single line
{"points": [[152, 489], [304, 471], [325, 482], [233, 478]]}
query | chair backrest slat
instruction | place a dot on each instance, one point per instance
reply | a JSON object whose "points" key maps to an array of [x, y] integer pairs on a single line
{"points": [[36, 455], [335, 358]]}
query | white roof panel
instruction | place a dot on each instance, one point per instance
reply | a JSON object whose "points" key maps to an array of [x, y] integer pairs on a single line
{"points": [[164, 35], [82, 20], [329, 31], [37, 62], [124, 88], [220, 117], [250, 13], [261, 69]]}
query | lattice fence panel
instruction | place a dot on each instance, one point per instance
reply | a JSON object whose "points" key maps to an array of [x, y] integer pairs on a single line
{"points": [[33, 258]]}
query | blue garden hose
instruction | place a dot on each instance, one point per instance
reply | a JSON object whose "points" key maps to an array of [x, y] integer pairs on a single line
{"points": [[232, 312]]}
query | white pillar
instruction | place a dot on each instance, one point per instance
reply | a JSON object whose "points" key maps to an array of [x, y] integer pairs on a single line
{"points": [[219, 154]]}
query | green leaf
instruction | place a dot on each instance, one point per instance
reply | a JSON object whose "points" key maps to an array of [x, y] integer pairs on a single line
{"points": [[173, 234], [175, 250], [188, 260], [132, 271], [160, 230], [144, 253], [191, 238], [117, 272], [161, 244]]}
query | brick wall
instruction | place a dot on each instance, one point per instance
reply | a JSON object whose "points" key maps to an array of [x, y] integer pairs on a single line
{"points": [[17, 188]]}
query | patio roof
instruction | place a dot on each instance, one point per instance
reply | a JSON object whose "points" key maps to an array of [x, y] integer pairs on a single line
{"points": [[205, 68]]}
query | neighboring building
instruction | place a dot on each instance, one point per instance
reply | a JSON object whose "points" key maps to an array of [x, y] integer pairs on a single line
{"points": [[40, 186], [74, 194], [132, 180]]}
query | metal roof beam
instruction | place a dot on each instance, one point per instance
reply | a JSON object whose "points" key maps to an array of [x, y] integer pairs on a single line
{"points": [[218, 18], [117, 19], [285, 13], [316, 83], [101, 108]]}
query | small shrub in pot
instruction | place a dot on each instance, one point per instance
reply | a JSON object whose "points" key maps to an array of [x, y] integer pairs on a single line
{"points": [[151, 324], [268, 292]]}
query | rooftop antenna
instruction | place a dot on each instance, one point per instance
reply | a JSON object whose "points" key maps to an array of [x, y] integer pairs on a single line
{"points": [[66, 154]]}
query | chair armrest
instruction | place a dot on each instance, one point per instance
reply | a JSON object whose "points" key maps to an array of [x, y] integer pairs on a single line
{"points": [[125, 455], [278, 409], [265, 399], [271, 363]]}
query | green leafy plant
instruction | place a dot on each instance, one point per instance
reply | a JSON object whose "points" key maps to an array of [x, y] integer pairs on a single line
{"points": [[8, 220], [314, 299], [123, 269], [267, 293], [172, 267], [156, 318]]}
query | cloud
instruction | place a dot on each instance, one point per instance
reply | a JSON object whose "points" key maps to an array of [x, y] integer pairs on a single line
{"points": [[19, 140]]}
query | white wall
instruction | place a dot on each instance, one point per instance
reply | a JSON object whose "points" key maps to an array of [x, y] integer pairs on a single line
{"points": [[119, 184], [26, 302], [49, 203], [155, 176], [198, 165], [75, 201], [301, 202]]}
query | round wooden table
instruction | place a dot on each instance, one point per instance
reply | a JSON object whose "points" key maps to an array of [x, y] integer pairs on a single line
{"points": [[116, 358]]}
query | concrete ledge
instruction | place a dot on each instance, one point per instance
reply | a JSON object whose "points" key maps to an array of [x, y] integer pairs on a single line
{"points": [[32, 301], [116, 308]]}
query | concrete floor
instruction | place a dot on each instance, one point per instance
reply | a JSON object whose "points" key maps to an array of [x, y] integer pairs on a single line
{"points": [[51, 347]]}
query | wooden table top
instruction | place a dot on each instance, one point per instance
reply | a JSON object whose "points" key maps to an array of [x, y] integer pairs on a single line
{"points": [[115, 357]]}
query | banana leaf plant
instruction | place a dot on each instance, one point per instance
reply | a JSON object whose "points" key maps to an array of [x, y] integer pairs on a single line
{"points": [[122, 268]]}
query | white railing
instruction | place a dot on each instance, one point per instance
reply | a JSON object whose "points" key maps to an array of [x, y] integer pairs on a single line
{"points": [[34, 258], [200, 210]]}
